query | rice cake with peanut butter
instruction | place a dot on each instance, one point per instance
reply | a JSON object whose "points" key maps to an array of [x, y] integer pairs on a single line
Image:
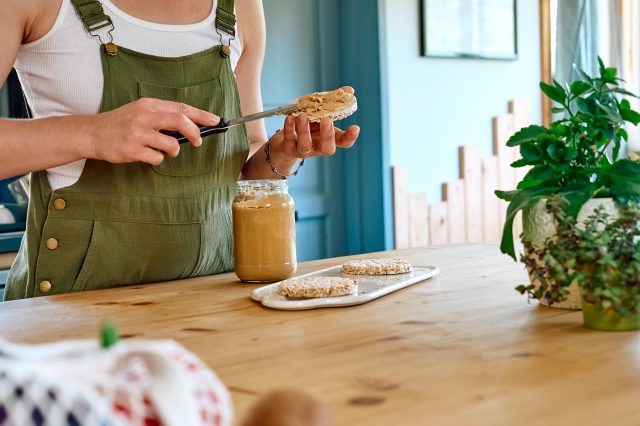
{"points": [[309, 287], [380, 266], [336, 104]]}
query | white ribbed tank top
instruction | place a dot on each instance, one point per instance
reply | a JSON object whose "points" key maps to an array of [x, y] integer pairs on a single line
{"points": [[61, 72]]}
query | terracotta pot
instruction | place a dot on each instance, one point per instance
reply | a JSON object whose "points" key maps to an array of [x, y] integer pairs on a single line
{"points": [[538, 225]]}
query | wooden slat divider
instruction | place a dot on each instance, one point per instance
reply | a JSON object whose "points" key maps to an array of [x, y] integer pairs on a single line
{"points": [[502, 131], [491, 219], [400, 206], [438, 227], [519, 109], [470, 210], [453, 194], [471, 174], [418, 220]]}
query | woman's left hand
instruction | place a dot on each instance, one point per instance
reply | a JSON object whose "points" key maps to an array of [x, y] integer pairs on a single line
{"points": [[302, 139]]}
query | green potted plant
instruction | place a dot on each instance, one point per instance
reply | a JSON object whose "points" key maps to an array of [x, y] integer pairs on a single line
{"points": [[578, 158], [602, 257]]}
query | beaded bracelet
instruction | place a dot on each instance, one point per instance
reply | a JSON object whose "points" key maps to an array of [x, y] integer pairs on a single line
{"points": [[274, 170]]}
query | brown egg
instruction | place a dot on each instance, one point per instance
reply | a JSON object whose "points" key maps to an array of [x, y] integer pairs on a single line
{"points": [[288, 407]]}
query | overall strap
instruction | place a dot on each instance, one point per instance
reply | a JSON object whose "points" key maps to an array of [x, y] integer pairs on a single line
{"points": [[225, 18], [94, 18], [92, 14]]}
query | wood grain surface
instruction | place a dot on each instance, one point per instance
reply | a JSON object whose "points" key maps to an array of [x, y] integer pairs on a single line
{"points": [[461, 349]]}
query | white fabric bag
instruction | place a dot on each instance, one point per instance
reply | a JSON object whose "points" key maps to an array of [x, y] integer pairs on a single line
{"points": [[131, 383]]}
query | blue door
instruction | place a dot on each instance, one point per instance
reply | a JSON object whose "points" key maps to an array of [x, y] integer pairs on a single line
{"points": [[299, 60]]}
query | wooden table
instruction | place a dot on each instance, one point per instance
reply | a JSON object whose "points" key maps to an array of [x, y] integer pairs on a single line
{"points": [[461, 349]]}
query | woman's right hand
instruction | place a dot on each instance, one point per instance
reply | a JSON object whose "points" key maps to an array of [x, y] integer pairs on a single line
{"points": [[132, 132]]}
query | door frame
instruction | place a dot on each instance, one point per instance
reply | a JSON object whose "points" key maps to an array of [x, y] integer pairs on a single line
{"points": [[545, 57]]}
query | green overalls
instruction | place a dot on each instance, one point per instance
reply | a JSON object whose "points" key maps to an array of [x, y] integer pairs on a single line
{"points": [[135, 223]]}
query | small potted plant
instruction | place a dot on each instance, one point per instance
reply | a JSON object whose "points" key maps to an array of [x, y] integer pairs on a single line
{"points": [[602, 257], [578, 158]]}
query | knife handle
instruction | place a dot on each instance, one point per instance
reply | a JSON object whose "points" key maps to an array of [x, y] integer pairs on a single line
{"points": [[221, 127]]}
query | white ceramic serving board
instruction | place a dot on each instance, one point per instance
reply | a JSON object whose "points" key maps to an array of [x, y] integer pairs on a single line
{"points": [[370, 287]]}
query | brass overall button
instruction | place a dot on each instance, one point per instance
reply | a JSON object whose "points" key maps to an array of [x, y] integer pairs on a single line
{"points": [[59, 204], [111, 49], [52, 243], [226, 51], [45, 286]]}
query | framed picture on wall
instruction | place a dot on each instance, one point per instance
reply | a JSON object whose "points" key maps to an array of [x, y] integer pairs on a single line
{"points": [[484, 29]]}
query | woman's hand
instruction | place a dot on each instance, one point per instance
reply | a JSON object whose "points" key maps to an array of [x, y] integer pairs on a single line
{"points": [[301, 139], [132, 132]]}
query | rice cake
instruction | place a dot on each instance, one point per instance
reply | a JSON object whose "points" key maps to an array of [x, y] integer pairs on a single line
{"points": [[335, 104], [379, 266], [310, 287]]}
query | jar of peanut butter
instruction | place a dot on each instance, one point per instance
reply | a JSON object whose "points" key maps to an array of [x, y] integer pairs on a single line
{"points": [[264, 231]]}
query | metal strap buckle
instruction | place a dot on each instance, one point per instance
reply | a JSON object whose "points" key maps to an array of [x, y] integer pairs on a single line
{"points": [[226, 47], [225, 22], [94, 19], [109, 46]]}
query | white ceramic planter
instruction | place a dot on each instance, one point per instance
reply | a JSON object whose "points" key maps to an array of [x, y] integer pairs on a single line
{"points": [[538, 225]]}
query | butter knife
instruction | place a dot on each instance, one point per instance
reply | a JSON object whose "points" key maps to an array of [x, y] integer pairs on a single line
{"points": [[226, 124]]}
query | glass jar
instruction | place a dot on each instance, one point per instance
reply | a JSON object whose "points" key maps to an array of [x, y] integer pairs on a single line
{"points": [[264, 231]]}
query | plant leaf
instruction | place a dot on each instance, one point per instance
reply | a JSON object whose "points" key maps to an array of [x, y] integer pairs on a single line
{"points": [[613, 115], [622, 178], [624, 92], [506, 195], [556, 151], [601, 66], [555, 93], [576, 195], [625, 104], [522, 199], [610, 75], [570, 154], [540, 173], [630, 116], [622, 133], [578, 87], [616, 149], [526, 134], [583, 75], [520, 163], [530, 152], [585, 106]]}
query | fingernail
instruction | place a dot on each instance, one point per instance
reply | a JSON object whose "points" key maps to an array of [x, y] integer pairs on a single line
{"points": [[289, 119], [325, 124], [199, 142], [357, 131]]}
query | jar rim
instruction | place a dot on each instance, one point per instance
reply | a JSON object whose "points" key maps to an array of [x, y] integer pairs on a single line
{"points": [[262, 184]]}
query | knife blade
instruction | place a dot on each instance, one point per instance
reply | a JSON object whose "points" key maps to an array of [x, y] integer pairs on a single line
{"points": [[226, 124]]}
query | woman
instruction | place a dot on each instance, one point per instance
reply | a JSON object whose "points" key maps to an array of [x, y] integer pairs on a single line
{"points": [[113, 200]]}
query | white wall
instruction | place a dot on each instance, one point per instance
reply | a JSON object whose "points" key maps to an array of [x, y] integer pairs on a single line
{"points": [[436, 105]]}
